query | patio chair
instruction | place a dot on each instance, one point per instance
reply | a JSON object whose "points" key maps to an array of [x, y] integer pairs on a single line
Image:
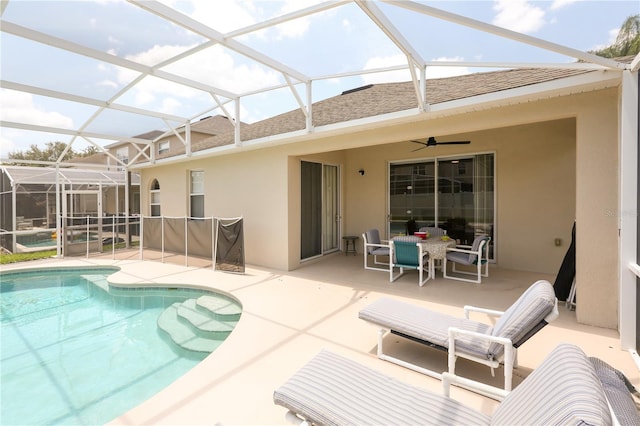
{"points": [[375, 247], [476, 255], [333, 390], [406, 253], [464, 337]]}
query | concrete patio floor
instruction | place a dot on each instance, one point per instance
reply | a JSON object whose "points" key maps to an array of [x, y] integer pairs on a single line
{"points": [[289, 316]]}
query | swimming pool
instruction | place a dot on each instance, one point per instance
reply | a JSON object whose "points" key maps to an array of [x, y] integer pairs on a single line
{"points": [[76, 351]]}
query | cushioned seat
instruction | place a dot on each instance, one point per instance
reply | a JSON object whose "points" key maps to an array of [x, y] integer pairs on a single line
{"points": [[476, 255], [333, 390], [374, 246], [461, 336], [407, 253]]}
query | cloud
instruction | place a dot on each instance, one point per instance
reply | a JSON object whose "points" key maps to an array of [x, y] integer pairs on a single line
{"points": [[231, 15], [7, 146], [221, 16], [214, 66], [404, 75], [447, 71], [559, 4], [20, 107], [518, 15], [389, 76]]}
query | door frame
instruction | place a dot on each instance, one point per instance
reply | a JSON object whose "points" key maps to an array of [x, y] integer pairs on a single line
{"points": [[321, 231]]}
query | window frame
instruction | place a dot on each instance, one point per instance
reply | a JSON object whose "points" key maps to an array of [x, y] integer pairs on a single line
{"points": [[196, 194], [154, 199], [164, 146]]}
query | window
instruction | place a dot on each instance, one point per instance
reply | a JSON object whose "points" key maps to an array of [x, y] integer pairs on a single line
{"points": [[154, 198], [163, 147], [456, 194], [196, 194]]}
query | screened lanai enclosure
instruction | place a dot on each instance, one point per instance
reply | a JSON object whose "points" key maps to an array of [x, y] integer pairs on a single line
{"points": [[95, 208]]}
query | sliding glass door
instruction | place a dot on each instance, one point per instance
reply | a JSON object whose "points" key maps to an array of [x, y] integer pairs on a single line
{"points": [[319, 210], [456, 194]]}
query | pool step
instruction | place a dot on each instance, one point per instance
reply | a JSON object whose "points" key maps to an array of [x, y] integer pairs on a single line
{"points": [[200, 324], [221, 309], [183, 334], [204, 323]]}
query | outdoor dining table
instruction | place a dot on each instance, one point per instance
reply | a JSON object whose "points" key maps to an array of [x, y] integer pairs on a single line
{"points": [[437, 249]]}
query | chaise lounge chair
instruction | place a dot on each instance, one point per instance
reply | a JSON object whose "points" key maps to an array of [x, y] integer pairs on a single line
{"points": [[463, 337], [333, 390]]}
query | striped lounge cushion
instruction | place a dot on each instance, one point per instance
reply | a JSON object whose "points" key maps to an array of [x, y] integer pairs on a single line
{"points": [[619, 391], [528, 311], [333, 390], [563, 390], [425, 324]]}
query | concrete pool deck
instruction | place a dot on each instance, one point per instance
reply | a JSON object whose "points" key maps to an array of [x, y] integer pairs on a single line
{"points": [[289, 316]]}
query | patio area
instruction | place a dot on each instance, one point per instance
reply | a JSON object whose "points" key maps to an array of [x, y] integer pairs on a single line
{"points": [[289, 316]]}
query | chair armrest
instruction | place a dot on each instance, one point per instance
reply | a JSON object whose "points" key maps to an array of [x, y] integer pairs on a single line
{"points": [[449, 379], [376, 245], [492, 312], [454, 331], [554, 314], [460, 250]]}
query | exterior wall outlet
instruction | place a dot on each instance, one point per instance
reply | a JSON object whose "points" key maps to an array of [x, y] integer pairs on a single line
{"points": [[557, 242]]}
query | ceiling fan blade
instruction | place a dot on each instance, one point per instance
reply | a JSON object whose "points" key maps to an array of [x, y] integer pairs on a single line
{"points": [[454, 143], [431, 141]]}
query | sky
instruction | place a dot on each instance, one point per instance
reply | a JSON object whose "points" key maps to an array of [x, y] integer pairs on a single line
{"points": [[338, 40]]}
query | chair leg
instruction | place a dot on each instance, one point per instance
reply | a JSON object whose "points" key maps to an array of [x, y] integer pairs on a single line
{"points": [[381, 334], [392, 278], [478, 274], [421, 280], [509, 362], [372, 267]]}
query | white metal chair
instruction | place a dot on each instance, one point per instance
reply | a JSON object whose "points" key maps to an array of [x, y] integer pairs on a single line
{"points": [[475, 255], [407, 253], [375, 247]]}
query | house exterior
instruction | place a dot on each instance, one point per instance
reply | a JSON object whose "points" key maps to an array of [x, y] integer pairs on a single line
{"points": [[174, 143], [553, 139]]}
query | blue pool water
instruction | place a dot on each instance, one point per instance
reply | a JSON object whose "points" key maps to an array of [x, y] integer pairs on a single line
{"points": [[74, 351]]}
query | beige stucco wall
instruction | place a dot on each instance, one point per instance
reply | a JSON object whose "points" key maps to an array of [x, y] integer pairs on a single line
{"points": [[556, 161], [252, 185], [597, 215], [535, 189]]}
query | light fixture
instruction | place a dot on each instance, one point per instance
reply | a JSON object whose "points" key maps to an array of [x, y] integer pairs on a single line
{"points": [[361, 171]]}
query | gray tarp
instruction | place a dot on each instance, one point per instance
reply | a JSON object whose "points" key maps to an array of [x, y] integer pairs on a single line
{"points": [[230, 245]]}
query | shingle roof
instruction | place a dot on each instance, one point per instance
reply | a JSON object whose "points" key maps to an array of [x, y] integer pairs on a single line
{"points": [[378, 99], [214, 125]]}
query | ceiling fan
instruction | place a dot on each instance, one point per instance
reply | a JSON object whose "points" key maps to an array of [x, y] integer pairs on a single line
{"points": [[431, 141]]}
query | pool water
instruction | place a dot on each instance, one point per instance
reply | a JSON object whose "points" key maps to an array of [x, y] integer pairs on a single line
{"points": [[74, 351]]}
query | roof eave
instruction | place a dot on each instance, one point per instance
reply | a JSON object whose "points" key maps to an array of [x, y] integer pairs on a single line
{"points": [[591, 81]]}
